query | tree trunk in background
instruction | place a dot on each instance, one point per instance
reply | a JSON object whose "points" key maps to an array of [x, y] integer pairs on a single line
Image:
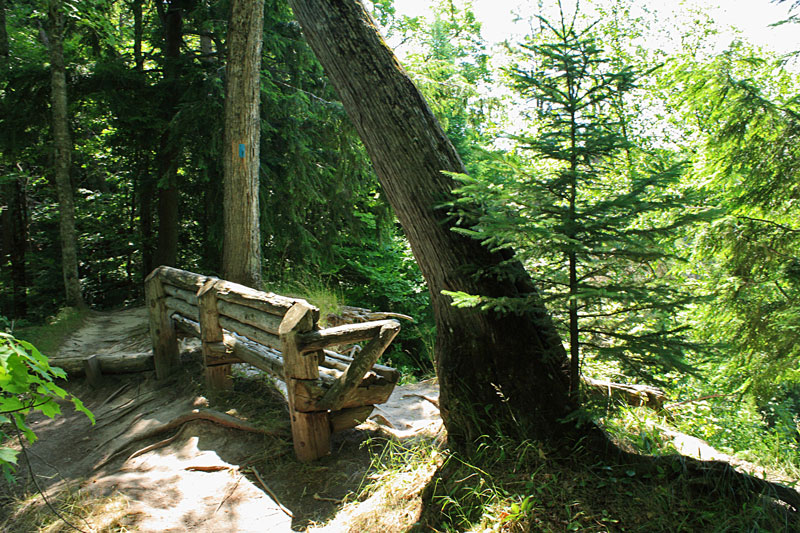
{"points": [[4, 50], [62, 157], [15, 242], [496, 371], [241, 255], [169, 148]]}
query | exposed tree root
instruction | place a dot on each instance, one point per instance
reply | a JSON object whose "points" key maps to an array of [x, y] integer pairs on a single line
{"points": [[196, 414]]}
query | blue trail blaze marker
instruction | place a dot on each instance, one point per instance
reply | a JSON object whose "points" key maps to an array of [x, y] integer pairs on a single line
{"points": [[241, 151]]}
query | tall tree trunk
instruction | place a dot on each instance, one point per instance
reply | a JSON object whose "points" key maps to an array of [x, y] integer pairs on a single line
{"points": [[496, 371], [169, 150], [62, 157], [15, 242], [241, 255], [4, 49]]}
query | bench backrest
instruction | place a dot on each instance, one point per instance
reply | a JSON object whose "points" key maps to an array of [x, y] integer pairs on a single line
{"points": [[327, 391]]}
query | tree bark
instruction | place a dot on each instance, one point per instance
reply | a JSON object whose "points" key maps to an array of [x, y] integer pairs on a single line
{"points": [[62, 144], [496, 370], [241, 255], [169, 149], [15, 243], [4, 49]]}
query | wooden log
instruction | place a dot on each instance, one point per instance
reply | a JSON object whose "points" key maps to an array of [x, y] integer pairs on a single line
{"points": [[362, 362], [262, 357], [349, 418], [263, 301], [297, 364], [635, 395], [254, 334], [307, 394], [162, 333], [179, 306], [311, 431], [318, 340], [312, 436], [218, 376], [91, 366], [182, 279], [250, 316], [187, 296], [386, 372], [109, 363]]}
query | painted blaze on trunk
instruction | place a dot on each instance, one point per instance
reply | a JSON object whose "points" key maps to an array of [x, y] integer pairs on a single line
{"points": [[496, 371]]}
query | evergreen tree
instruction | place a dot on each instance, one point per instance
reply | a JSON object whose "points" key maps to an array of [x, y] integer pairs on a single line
{"points": [[585, 209]]}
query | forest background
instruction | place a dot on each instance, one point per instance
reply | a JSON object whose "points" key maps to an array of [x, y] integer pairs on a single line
{"points": [[702, 305]]}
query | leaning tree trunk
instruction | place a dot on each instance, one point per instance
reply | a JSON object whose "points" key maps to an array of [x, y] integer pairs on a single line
{"points": [[62, 157], [495, 370], [241, 255]]}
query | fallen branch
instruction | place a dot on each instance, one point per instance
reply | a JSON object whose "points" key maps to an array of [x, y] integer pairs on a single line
{"points": [[271, 494]]}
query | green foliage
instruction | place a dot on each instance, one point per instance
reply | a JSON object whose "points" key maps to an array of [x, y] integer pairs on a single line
{"points": [[27, 384], [586, 210]]}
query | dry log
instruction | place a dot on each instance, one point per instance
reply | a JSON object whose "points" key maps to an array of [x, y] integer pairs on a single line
{"points": [[309, 392], [362, 362], [254, 334], [109, 363], [162, 333], [250, 316], [187, 296], [349, 418], [388, 373], [177, 305], [182, 279], [347, 314], [262, 357], [263, 301], [635, 395], [318, 340]]}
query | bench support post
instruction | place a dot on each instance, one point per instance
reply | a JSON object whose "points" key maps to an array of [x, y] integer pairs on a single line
{"points": [[311, 432], [166, 357], [217, 374]]}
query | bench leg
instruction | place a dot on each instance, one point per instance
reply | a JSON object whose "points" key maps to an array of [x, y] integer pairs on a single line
{"points": [[218, 378]]}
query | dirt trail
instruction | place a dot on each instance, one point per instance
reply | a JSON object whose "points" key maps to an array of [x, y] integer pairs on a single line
{"points": [[199, 476]]}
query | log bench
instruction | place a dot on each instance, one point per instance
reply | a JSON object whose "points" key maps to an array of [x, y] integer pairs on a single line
{"points": [[327, 391]]}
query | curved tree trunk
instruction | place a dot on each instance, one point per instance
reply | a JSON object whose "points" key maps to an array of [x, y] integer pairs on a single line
{"points": [[495, 371], [241, 255], [61, 160]]}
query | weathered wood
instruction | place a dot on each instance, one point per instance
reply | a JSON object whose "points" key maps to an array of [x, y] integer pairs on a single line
{"points": [[263, 301], [180, 306], [298, 320], [362, 362], [386, 372], [262, 357], [181, 279], [109, 363], [250, 316], [349, 418], [91, 366], [311, 434], [218, 376], [635, 395], [349, 333], [309, 392], [162, 333], [311, 431], [187, 296], [254, 334]]}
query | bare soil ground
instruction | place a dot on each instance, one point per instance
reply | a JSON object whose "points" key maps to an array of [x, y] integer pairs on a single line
{"points": [[163, 474]]}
